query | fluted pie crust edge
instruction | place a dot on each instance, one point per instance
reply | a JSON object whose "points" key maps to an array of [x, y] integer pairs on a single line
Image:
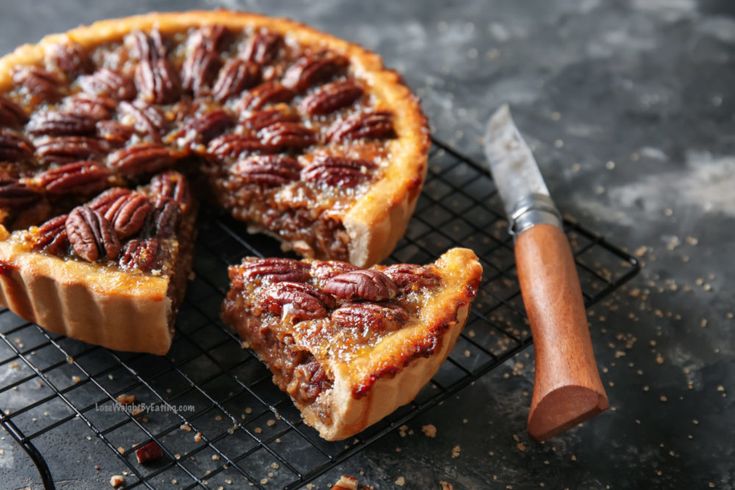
{"points": [[378, 219], [376, 383]]}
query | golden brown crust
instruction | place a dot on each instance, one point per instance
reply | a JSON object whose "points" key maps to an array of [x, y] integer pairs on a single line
{"points": [[376, 383], [379, 218], [114, 309]]}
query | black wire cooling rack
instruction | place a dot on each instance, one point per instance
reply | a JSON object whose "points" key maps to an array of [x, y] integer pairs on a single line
{"points": [[243, 430]]}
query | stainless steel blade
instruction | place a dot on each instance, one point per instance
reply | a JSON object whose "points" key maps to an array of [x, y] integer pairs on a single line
{"points": [[514, 169]]}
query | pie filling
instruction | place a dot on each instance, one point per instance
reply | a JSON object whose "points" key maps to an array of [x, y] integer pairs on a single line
{"points": [[301, 317], [287, 136]]}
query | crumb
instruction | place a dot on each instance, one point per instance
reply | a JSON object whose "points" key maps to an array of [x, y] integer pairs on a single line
{"points": [[640, 251], [456, 450], [429, 430], [445, 485], [400, 481], [198, 437], [270, 422], [659, 359], [215, 457], [403, 430], [126, 399], [345, 482], [121, 450], [185, 427], [116, 481], [76, 379]]}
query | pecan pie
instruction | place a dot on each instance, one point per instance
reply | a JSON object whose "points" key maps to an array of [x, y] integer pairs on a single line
{"points": [[350, 345], [111, 271], [299, 134]]}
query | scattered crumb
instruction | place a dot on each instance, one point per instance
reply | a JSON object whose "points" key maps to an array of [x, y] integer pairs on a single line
{"points": [[198, 437], [126, 399], [75, 379], [403, 430], [445, 485], [116, 481], [400, 481], [659, 359], [429, 430], [345, 482], [185, 427], [456, 451], [121, 450], [640, 251], [215, 457], [270, 422]]}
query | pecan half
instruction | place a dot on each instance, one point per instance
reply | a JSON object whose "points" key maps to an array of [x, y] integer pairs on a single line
{"points": [[14, 194], [287, 136], [172, 185], [263, 47], [42, 85], [74, 178], [157, 81], [147, 120], [162, 221], [148, 453], [199, 69], [366, 284], [14, 147], [128, 214], [114, 132], [208, 126], [142, 158], [410, 277], [332, 97], [94, 107], [267, 93], [267, 170], [323, 270], [267, 117], [276, 269], [108, 83], [234, 77], [11, 114], [234, 145], [71, 59], [141, 254], [61, 124], [366, 125], [103, 202], [67, 149], [295, 301], [51, 236], [338, 171], [370, 317], [312, 69], [155, 77], [91, 236]]}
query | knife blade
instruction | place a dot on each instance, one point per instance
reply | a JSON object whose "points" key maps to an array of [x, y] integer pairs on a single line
{"points": [[517, 176], [567, 386]]}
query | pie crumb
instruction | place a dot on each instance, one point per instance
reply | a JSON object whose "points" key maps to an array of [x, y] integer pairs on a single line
{"points": [[345, 482], [429, 430], [126, 399], [445, 485], [116, 481], [198, 437], [456, 451], [400, 481]]}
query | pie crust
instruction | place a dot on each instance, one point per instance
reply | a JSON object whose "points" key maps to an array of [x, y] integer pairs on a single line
{"points": [[381, 375]]}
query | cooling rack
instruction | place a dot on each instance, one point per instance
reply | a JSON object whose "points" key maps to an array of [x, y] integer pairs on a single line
{"points": [[211, 405]]}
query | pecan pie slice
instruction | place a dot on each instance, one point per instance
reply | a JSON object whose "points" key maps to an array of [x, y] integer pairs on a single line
{"points": [[301, 135], [111, 271], [350, 345]]}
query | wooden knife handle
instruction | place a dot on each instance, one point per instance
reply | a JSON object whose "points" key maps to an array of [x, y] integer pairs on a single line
{"points": [[567, 388]]}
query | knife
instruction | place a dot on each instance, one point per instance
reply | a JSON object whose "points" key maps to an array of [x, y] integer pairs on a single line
{"points": [[567, 388]]}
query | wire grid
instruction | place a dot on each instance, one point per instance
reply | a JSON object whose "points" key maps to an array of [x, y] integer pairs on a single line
{"points": [[250, 431]]}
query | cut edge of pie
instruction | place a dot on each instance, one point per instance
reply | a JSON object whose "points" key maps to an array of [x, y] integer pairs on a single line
{"points": [[124, 310], [377, 220], [369, 385]]}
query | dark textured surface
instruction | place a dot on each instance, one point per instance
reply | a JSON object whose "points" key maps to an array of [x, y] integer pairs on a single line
{"points": [[629, 106]]}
